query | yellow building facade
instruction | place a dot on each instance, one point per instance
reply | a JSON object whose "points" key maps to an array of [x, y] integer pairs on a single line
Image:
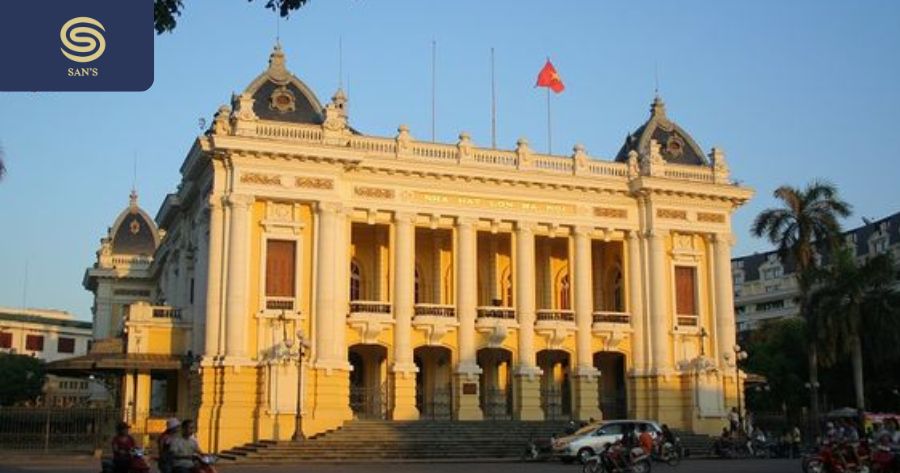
{"points": [[435, 281]]}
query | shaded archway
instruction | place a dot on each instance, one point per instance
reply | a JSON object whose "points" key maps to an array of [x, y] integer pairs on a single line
{"points": [[434, 390], [496, 383], [612, 394], [556, 390], [368, 396]]}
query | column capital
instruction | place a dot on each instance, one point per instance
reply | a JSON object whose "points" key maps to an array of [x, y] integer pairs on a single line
{"points": [[404, 217], [239, 201], [329, 207], [655, 234], [582, 230], [727, 239], [215, 201], [632, 235], [526, 226], [466, 221]]}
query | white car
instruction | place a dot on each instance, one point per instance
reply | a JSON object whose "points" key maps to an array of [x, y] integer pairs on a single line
{"points": [[591, 439]]}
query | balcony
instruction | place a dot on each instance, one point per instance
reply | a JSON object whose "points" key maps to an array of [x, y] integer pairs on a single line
{"points": [[555, 315], [370, 307], [370, 319], [165, 312], [688, 320], [609, 317], [496, 312], [435, 321], [435, 310], [280, 303]]}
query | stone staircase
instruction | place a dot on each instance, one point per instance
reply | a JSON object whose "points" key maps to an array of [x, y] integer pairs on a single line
{"points": [[365, 440], [369, 440]]}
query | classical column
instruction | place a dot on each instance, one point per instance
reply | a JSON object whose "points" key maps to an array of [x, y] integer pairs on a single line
{"points": [[528, 383], [326, 283], [404, 368], [466, 300], [659, 294], [586, 402], [724, 293], [332, 370], [236, 308], [636, 302]]}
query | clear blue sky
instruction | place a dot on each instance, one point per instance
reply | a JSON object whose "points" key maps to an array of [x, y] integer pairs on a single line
{"points": [[791, 90]]}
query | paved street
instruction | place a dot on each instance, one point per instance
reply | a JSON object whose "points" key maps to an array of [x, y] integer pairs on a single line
{"points": [[87, 465]]}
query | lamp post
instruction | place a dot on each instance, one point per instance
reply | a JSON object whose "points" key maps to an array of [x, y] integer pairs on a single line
{"points": [[302, 348], [813, 388], [739, 355]]}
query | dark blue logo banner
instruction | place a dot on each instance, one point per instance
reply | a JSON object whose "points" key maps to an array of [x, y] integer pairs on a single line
{"points": [[76, 45]]}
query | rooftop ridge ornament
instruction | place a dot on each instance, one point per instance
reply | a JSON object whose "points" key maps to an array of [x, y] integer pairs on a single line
{"points": [[658, 108], [277, 70]]}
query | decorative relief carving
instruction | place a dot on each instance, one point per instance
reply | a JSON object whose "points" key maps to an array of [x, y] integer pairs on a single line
{"points": [[710, 217], [673, 214], [374, 192], [314, 183], [609, 212], [259, 178], [683, 242], [491, 203], [281, 211]]}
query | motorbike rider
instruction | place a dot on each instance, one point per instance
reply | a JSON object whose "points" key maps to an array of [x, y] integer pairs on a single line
{"points": [[122, 445], [184, 448], [667, 440], [645, 440], [723, 443], [162, 445]]}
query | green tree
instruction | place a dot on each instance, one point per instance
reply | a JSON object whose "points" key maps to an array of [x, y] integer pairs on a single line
{"points": [[849, 298], [23, 378], [805, 220], [166, 11], [777, 351]]}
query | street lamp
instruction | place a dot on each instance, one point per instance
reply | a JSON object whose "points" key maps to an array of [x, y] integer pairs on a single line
{"points": [[739, 355], [302, 349]]}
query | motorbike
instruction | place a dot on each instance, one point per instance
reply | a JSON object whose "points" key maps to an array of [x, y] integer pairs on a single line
{"points": [[538, 450], [617, 458], [838, 458], [670, 453], [137, 463], [204, 464]]}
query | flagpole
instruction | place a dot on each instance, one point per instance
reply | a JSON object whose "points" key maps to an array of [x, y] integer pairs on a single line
{"points": [[433, 81], [549, 133], [493, 105]]}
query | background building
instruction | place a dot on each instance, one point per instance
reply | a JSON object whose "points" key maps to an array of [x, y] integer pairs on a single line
{"points": [[52, 335], [765, 289]]}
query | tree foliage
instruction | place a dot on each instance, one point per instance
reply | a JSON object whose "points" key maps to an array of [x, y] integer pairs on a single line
{"points": [[165, 12], [23, 378], [777, 351]]}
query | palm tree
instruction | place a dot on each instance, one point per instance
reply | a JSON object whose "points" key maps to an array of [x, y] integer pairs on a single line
{"points": [[850, 297], [806, 221]]}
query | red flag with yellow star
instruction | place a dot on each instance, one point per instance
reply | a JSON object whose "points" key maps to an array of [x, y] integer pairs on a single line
{"points": [[549, 78]]}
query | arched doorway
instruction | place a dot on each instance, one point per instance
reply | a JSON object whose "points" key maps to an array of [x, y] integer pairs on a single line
{"points": [[434, 390], [496, 383], [368, 392], [611, 389], [556, 390]]}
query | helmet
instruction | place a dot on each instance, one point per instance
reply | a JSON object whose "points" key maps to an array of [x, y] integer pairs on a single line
{"points": [[172, 423]]}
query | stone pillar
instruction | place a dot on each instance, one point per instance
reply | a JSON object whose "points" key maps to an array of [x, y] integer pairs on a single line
{"points": [[201, 281], [466, 301], [724, 293], [103, 317], [236, 309], [585, 386], [404, 369], [659, 293], [332, 370], [636, 303], [528, 375]]}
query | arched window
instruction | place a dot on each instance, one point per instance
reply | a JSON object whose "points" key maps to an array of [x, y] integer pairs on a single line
{"points": [[562, 291], [355, 282]]}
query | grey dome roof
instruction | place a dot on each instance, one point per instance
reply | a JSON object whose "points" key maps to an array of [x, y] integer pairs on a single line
{"points": [[279, 95], [675, 144], [134, 232]]}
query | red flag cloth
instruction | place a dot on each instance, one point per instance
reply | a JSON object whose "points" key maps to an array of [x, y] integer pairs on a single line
{"points": [[549, 78]]}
